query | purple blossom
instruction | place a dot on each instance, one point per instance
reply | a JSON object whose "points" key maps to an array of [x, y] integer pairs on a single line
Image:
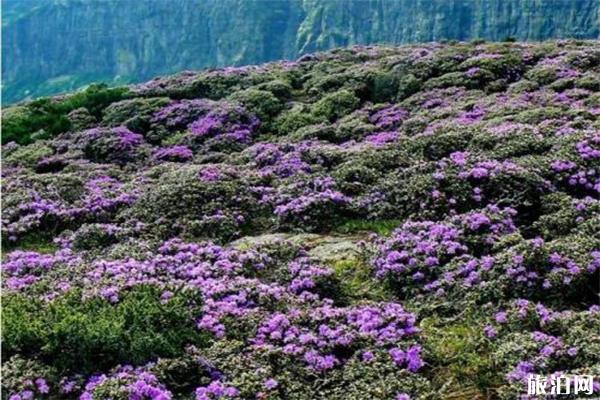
{"points": [[174, 153]]}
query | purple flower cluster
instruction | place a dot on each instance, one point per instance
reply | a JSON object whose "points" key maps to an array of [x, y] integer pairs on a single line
{"points": [[216, 390], [227, 124], [32, 388], [116, 145], [382, 138], [179, 114], [309, 200], [174, 153], [323, 336], [102, 196], [420, 254], [205, 119], [280, 160], [135, 383], [23, 268], [471, 116], [389, 118]]}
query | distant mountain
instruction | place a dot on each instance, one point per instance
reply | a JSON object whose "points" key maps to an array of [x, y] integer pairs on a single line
{"points": [[56, 45]]}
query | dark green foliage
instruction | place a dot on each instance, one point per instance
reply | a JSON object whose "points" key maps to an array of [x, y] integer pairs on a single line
{"points": [[50, 115], [559, 215], [262, 102], [383, 86], [92, 335], [436, 147], [80, 119], [93, 236], [293, 119], [408, 86], [355, 177], [282, 90], [336, 105], [134, 113], [183, 204]]}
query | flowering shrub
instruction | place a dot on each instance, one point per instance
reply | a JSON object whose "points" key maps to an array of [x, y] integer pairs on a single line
{"points": [[310, 204], [174, 153], [125, 383], [118, 145], [219, 124], [325, 337], [420, 254], [67, 202], [547, 340]]}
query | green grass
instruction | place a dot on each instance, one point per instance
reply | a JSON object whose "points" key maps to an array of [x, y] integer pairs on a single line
{"points": [[357, 281], [464, 366], [37, 243]]}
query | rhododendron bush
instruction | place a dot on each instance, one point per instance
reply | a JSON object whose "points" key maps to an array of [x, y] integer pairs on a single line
{"points": [[420, 222]]}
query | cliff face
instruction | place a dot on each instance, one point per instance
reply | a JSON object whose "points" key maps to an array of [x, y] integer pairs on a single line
{"points": [[56, 45]]}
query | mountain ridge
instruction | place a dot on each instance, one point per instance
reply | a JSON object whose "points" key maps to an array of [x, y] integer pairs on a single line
{"points": [[60, 45]]}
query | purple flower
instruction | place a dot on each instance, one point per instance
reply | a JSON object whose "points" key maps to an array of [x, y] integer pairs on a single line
{"points": [[174, 153], [42, 385], [271, 384], [368, 356], [413, 356], [490, 331], [471, 72], [501, 317]]}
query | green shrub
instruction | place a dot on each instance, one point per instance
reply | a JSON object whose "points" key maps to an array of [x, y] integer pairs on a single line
{"points": [[50, 115], [84, 336], [355, 177], [282, 90], [29, 156], [135, 114], [293, 119], [542, 75], [180, 197], [80, 119], [263, 103], [523, 86], [407, 86], [336, 105], [354, 126], [383, 86], [94, 236], [19, 125], [589, 82]]}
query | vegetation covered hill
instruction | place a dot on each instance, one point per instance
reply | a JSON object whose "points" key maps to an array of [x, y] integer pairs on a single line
{"points": [[51, 46], [376, 222]]}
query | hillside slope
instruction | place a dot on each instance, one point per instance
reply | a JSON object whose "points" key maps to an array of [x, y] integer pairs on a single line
{"points": [[56, 45], [414, 222]]}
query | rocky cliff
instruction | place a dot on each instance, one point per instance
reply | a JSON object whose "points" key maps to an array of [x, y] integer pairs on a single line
{"points": [[56, 45]]}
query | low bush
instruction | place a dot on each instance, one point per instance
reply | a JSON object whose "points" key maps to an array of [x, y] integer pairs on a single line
{"points": [[83, 336]]}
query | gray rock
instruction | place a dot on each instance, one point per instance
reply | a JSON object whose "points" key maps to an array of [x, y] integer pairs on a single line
{"points": [[325, 248]]}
